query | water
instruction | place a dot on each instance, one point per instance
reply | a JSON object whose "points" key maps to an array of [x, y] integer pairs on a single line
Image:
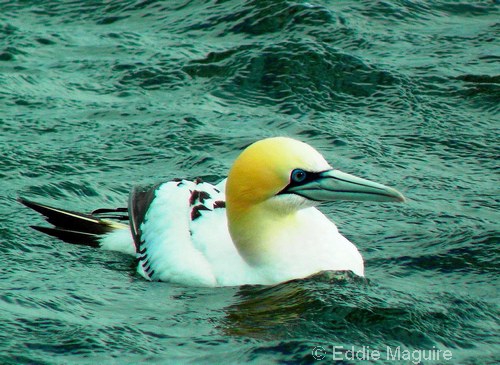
{"points": [[97, 96]]}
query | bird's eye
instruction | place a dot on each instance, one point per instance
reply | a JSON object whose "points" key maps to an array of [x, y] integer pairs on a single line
{"points": [[298, 175]]}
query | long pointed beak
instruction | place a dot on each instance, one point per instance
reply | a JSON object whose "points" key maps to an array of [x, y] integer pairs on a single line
{"points": [[337, 185]]}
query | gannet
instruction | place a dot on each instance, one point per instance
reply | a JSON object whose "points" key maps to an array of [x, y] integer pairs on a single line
{"points": [[258, 226]]}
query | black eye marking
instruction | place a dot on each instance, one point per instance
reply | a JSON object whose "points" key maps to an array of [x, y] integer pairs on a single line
{"points": [[298, 176]]}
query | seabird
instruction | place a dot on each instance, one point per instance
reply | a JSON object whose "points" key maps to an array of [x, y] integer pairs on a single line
{"points": [[258, 226]]}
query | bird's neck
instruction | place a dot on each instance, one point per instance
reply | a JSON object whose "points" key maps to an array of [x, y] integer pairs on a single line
{"points": [[260, 232]]}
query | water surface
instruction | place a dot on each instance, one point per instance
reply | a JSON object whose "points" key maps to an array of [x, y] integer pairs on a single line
{"points": [[98, 96]]}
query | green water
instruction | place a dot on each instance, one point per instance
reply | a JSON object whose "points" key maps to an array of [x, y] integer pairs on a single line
{"points": [[98, 96]]}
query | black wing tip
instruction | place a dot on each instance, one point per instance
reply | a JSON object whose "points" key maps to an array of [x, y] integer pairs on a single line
{"points": [[68, 236], [40, 208], [26, 202], [140, 199], [69, 220]]}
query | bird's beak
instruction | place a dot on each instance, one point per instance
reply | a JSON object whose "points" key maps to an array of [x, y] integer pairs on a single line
{"points": [[337, 185]]}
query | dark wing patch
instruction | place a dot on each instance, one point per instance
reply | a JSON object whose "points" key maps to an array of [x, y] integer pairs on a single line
{"points": [[146, 265], [73, 227], [194, 196], [195, 212], [203, 195], [198, 195], [198, 198], [81, 238], [219, 204], [139, 201], [116, 213], [143, 259], [69, 220]]}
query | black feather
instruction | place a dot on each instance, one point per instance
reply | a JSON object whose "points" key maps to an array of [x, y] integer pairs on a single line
{"points": [[69, 220], [77, 238], [70, 226], [140, 199], [119, 214]]}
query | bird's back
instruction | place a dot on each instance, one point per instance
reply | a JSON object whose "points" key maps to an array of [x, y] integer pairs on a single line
{"points": [[180, 231]]}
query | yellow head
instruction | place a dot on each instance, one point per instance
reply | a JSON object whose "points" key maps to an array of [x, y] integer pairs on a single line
{"points": [[264, 169]]}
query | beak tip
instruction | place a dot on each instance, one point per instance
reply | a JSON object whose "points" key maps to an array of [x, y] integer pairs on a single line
{"points": [[400, 198]]}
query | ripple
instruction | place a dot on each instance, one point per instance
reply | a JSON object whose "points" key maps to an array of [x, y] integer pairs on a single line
{"points": [[98, 97]]}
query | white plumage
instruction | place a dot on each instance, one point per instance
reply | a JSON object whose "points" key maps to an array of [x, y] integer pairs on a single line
{"points": [[181, 231]]}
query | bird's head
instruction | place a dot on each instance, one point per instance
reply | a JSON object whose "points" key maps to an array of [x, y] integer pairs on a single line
{"points": [[285, 175]]}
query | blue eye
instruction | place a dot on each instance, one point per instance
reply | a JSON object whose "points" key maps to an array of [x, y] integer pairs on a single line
{"points": [[298, 175]]}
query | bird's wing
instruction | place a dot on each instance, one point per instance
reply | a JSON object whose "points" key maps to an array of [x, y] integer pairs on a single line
{"points": [[180, 231]]}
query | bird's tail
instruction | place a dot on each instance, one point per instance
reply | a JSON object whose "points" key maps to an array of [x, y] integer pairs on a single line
{"points": [[95, 229]]}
